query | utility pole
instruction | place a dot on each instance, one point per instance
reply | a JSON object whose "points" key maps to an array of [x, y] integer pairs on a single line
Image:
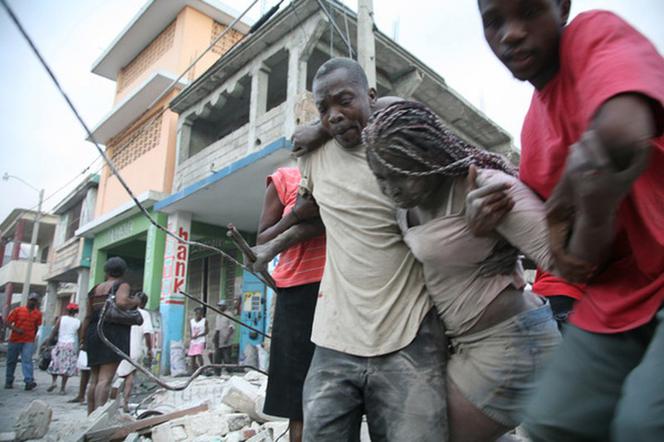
{"points": [[366, 46], [33, 242]]}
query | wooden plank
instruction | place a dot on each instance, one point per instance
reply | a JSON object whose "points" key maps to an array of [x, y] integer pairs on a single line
{"points": [[156, 420], [242, 244]]}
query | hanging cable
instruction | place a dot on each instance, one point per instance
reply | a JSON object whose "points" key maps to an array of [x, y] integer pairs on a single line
{"points": [[108, 161], [231, 317], [148, 373], [156, 116]]}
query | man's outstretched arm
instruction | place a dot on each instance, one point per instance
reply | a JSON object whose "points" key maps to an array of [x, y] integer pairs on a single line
{"points": [[294, 235]]}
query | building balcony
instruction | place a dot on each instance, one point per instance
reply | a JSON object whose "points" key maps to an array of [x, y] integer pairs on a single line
{"points": [[14, 271], [67, 259]]}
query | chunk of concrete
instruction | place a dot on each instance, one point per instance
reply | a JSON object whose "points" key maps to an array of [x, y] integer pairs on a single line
{"points": [[199, 426], [263, 436], [34, 420], [255, 377], [237, 421], [244, 397], [277, 429]]}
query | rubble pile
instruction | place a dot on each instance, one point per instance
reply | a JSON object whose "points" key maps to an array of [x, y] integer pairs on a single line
{"points": [[213, 409]]}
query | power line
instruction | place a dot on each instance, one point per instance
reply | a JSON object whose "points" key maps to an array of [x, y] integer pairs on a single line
{"points": [[108, 161]]}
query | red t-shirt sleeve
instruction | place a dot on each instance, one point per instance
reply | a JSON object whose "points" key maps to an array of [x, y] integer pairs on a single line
{"points": [[279, 181], [11, 317], [609, 57]]}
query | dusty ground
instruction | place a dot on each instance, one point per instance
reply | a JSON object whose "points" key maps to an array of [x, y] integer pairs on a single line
{"points": [[12, 402]]}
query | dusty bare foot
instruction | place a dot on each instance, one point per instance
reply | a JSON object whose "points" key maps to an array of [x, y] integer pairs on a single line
{"points": [[51, 388]]}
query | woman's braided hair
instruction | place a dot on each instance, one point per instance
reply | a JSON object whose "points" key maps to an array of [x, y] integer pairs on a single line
{"points": [[410, 129], [407, 129]]}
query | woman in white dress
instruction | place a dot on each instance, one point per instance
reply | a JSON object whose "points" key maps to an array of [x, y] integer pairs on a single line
{"points": [[65, 353]]}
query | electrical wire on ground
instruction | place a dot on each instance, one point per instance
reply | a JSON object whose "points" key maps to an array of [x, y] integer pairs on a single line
{"points": [[148, 373]]}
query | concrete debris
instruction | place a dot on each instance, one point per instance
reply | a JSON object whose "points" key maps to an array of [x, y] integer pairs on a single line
{"points": [[33, 422], [235, 412], [7, 436]]}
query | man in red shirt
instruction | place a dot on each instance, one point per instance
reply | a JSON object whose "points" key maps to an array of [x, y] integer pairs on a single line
{"points": [[23, 322], [592, 138]]}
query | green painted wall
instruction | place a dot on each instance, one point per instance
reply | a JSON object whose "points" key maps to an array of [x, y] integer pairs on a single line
{"points": [[115, 235], [154, 261]]}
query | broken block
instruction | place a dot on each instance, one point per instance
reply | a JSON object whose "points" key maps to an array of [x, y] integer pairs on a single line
{"points": [[34, 420]]}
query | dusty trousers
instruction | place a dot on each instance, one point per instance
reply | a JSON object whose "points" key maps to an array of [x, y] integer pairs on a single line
{"points": [[402, 393]]}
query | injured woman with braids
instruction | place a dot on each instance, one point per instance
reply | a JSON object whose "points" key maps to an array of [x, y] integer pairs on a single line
{"points": [[501, 334]]}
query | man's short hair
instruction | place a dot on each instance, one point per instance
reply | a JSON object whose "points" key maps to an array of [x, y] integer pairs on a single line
{"points": [[115, 267], [355, 72]]}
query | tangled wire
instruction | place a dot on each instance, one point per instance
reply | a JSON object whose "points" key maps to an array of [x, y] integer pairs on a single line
{"points": [[408, 130]]}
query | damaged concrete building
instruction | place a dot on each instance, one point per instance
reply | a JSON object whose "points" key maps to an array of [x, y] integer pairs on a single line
{"points": [[234, 126]]}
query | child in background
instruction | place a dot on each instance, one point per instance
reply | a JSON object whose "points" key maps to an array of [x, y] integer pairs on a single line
{"points": [[198, 328]]}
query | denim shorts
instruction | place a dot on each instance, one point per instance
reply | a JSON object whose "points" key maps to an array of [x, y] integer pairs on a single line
{"points": [[496, 368]]}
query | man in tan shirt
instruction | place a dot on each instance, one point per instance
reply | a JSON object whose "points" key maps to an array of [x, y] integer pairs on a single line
{"points": [[379, 345]]}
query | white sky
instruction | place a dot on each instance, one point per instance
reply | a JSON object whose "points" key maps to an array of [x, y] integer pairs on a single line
{"points": [[43, 143]]}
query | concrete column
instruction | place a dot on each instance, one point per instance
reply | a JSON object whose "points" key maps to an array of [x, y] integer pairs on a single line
{"points": [[183, 140], [16, 252], [98, 258], [297, 83], [18, 239], [154, 262], [174, 279], [3, 246], [9, 291], [49, 304], [257, 101], [88, 208], [366, 45], [83, 283]]}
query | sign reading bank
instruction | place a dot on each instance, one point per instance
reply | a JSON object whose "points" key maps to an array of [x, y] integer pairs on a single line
{"points": [[176, 256]]}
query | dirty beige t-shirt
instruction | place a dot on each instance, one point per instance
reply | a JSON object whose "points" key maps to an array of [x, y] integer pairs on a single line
{"points": [[372, 297]]}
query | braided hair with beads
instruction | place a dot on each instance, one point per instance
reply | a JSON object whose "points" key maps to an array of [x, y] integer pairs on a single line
{"points": [[410, 130]]}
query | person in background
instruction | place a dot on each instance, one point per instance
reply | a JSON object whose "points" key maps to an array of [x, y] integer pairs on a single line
{"points": [[140, 347], [103, 361], [198, 327], [84, 373], [594, 137], [64, 355], [23, 322], [223, 337], [297, 275]]}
